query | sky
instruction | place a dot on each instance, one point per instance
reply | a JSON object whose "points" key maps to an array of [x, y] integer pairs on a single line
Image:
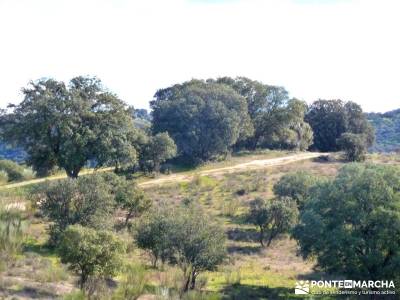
{"points": [[316, 49]]}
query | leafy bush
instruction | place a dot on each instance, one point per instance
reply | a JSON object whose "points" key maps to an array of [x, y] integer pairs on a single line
{"points": [[296, 186], [90, 253], [14, 171], [87, 201], [185, 236], [272, 217], [352, 223]]}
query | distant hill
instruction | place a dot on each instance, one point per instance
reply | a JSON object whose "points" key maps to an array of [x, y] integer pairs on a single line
{"points": [[15, 154], [387, 126]]}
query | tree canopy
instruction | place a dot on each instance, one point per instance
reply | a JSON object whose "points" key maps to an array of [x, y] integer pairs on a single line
{"points": [[277, 120], [66, 126], [90, 253], [204, 119], [329, 119], [352, 223]]}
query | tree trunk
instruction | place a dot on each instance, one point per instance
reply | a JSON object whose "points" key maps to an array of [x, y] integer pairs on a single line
{"points": [[127, 218], [261, 237], [193, 280], [186, 284]]}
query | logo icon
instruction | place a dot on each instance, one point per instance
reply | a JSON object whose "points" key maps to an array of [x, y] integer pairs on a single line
{"points": [[302, 287]]}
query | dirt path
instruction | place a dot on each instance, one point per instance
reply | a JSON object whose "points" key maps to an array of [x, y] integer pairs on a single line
{"points": [[55, 177], [251, 165]]}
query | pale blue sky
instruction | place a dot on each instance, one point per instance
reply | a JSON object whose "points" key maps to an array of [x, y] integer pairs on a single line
{"points": [[344, 49]]}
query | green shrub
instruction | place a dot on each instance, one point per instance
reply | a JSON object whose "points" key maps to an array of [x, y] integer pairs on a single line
{"points": [[14, 171]]}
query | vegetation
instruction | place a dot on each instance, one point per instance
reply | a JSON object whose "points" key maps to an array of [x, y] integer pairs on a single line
{"points": [[90, 253], [329, 119], [157, 150], [11, 171], [204, 119], [66, 126], [11, 235], [296, 186], [205, 234], [387, 127], [350, 223], [86, 201], [186, 237], [272, 217], [277, 120]]}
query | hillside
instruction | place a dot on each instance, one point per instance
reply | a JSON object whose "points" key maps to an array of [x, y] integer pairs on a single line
{"points": [[387, 126]]}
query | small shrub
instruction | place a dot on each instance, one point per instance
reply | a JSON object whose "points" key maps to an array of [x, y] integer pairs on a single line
{"points": [[14, 171]]}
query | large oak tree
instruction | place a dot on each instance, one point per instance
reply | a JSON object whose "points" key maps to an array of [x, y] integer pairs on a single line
{"points": [[68, 125]]}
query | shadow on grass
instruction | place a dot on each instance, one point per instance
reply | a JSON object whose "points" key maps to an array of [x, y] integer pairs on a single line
{"points": [[243, 234], [252, 292], [41, 249], [244, 250]]}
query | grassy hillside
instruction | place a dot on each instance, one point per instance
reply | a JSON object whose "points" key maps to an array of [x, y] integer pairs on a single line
{"points": [[250, 273], [387, 126]]}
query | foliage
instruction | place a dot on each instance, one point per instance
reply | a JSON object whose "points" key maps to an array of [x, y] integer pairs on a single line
{"points": [[272, 217], [66, 126], [128, 196], [387, 126], [133, 284], [329, 119], [90, 253], [86, 201], [352, 223], [154, 234], [185, 236], [205, 119], [11, 234], [158, 149], [15, 172], [278, 121], [354, 146], [296, 186]]}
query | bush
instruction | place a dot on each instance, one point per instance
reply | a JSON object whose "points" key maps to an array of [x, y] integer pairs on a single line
{"points": [[14, 171], [354, 145], [272, 217], [87, 201], [90, 253], [352, 223], [296, 186], [185, 236]]}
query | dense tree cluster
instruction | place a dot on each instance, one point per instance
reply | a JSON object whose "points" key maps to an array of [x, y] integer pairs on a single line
{"points": [[71, 125], [330, 119], [351, 224]]}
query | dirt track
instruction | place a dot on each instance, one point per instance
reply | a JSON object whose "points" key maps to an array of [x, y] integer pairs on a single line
{"points": [[252, 165]]}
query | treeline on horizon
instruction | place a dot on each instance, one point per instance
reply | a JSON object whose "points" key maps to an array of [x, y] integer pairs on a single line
{"points": [[71, 125]]}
